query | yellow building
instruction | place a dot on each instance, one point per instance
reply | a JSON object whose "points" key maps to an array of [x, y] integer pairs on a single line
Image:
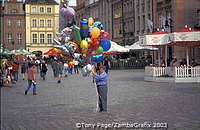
{"points": [[42, 23]]}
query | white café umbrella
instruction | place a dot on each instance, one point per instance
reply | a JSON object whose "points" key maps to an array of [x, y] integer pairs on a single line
{"points": [[137, 46], [186, 38], [157, 39], [117, 48]]}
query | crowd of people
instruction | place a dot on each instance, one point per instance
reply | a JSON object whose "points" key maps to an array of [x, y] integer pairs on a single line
{"points": [[32, 66], [12, 66]]}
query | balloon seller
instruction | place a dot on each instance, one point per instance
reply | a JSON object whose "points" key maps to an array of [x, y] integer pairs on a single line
{"points": [[101, 80]]}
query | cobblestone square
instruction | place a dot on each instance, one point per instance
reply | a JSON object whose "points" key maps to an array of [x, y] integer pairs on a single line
{"points": [[130, 100]]}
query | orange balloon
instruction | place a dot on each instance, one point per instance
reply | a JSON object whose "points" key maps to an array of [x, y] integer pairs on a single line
{"points": [[95, 32]]}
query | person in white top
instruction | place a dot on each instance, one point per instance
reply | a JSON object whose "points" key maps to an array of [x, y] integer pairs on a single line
{"points": [[65, 69], [76, 71]]}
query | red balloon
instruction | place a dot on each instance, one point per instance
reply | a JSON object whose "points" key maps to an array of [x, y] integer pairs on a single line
{"points": [[106, 36], [95, 43]]}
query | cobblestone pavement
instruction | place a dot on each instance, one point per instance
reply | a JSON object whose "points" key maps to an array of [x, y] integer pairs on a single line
{"points": [[130, 99]]}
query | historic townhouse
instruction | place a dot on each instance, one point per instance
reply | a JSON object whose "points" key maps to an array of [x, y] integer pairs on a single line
{"points": [[13, 25], [42, 23]]}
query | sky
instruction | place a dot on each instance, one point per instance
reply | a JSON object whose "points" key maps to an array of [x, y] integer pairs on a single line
{"points": [[71, 2]]}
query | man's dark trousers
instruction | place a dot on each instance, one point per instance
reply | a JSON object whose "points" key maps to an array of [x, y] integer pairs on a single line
{"points": [[102, 94]]}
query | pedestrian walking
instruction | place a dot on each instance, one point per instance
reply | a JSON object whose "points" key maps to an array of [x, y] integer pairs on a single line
{"points": [[43, 70], [76, 71], [70, 67], [53, 65], [65, 69], [59, 71], [1, 76], [23, 70], [15, 71], [37, 64], [106, 64], [31, 79], [101, 80]]}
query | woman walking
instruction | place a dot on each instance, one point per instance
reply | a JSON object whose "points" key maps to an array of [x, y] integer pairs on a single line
{"points": [[31, 79]]}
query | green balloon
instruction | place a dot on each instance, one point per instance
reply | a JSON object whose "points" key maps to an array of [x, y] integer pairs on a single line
{"points": [[99, 50], [77, 36]]}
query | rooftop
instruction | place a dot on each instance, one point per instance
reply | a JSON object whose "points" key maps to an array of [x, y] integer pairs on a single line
{"points": [[42, 2]]}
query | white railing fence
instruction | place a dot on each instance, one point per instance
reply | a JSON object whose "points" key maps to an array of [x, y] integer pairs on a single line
{"points": [[179, 72], [159, 71], [182, 72]]}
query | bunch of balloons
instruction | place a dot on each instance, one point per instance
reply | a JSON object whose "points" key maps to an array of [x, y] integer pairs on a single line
{"points": [[88, 42], [95, 40]]}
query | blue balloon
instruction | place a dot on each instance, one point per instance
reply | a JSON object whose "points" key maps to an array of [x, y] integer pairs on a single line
{"points": [[105, 44], [98, 25], [97, 58], [84, 28]]}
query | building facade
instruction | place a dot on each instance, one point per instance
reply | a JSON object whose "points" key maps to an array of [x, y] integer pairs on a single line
{"points": [[1, 22], [106, 15], [92, 9], [122, 21], [14, 35], [80, 11], [42, 23], [173, 15]]}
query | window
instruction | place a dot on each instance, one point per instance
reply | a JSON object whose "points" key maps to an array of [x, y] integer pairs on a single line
{"points": [[48, 10], [41, 23], [149, 5], [41, 10], [9, 22], [19, 38], [49, 38], [139, 21], [143, 8], [19, 22], [144, 22], [34, 23], [13, 11], [138, 9], [49, 23], [34, 38], [42, 38], [9, 38], [198, 17], [34, 9]]}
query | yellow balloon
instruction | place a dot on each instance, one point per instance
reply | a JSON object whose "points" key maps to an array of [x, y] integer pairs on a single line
{"points": [[95, 32], [84, 45], [57, 50], [84, 55], [90, 22]]}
